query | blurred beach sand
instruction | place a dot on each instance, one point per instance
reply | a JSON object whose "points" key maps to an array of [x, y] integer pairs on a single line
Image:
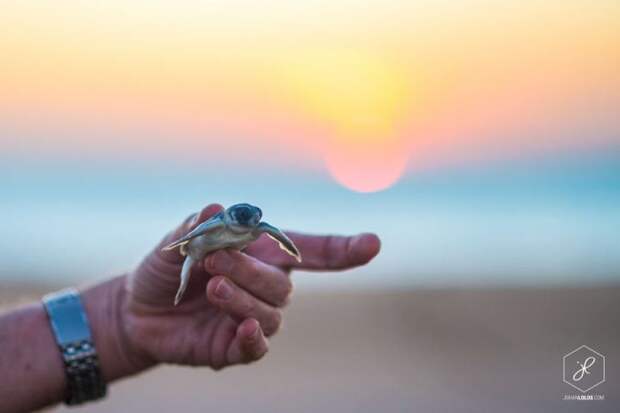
{"points": [[422, 350]]}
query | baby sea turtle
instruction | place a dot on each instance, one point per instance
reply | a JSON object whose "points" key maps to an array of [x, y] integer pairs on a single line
{"points": [[235, 228]]}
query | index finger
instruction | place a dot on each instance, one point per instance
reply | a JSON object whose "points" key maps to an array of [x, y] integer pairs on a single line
{"points": [[319, 252]]}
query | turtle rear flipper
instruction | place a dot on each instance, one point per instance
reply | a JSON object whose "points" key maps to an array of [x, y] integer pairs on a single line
{"points": [[185, 274]]}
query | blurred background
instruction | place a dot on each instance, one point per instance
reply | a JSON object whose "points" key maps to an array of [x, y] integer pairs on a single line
{"points": [[480, 140]]}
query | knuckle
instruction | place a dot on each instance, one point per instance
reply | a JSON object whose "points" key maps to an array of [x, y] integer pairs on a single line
{"points": [[244, 269], [251, 269], [246, 308], [286, 291], [328, 249], [288, 288], [231, 269], [232, 263]]}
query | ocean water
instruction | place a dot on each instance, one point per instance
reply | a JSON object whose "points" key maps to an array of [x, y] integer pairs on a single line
{"points": [[522, 223]]}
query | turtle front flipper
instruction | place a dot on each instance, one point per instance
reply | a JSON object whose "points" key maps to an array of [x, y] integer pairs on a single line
{"points": [[280, 237], [213, 223], [185, 274]]}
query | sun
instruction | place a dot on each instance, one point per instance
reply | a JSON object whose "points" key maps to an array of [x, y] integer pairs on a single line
{"points": [[362, 98], [368, 167]]}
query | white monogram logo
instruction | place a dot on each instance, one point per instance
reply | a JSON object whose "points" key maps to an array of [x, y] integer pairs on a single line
{"points": [[589, 362], [590, 371]]}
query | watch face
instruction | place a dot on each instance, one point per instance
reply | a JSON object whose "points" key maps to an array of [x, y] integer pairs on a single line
{"points": [[67, 316]]}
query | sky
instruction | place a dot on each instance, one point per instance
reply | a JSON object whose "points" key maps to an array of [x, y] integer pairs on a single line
{"points": [[480, 139]]}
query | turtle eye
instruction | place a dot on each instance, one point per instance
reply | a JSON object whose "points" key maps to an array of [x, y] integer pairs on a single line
{"points": [[243, 214]]}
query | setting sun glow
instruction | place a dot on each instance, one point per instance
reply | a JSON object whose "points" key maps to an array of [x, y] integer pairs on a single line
{"points": [[365, 94], [363, 99]]}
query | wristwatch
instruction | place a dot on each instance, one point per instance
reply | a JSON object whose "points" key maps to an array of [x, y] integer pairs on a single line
{"points": [[72, 332]]}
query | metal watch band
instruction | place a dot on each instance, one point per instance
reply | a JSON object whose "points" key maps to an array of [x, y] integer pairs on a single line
{"points": [[70, 326]]}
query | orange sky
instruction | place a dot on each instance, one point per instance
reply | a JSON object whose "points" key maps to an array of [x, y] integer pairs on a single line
{"points": [[362, 88]]}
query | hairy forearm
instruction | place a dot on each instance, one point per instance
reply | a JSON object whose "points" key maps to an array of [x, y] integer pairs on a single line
{"points": [[30, 362]]}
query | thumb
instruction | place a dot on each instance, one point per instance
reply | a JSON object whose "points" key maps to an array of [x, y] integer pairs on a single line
{"points": [[174, 256], [156, 279]]}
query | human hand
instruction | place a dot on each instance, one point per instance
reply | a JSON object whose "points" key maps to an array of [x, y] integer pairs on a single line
{"points": [[233, 302]]}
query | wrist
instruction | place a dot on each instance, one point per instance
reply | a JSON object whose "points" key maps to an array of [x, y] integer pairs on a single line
{"points": [[106, 306]]}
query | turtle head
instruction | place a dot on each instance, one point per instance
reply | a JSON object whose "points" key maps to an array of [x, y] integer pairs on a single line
{"points": [[243, 217]]}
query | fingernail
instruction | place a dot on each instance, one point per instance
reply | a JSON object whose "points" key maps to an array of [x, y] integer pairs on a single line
{"points": [[223, 290], [193, 219], [364, 247], [255, 333], [354, 243], [209, 263]]}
